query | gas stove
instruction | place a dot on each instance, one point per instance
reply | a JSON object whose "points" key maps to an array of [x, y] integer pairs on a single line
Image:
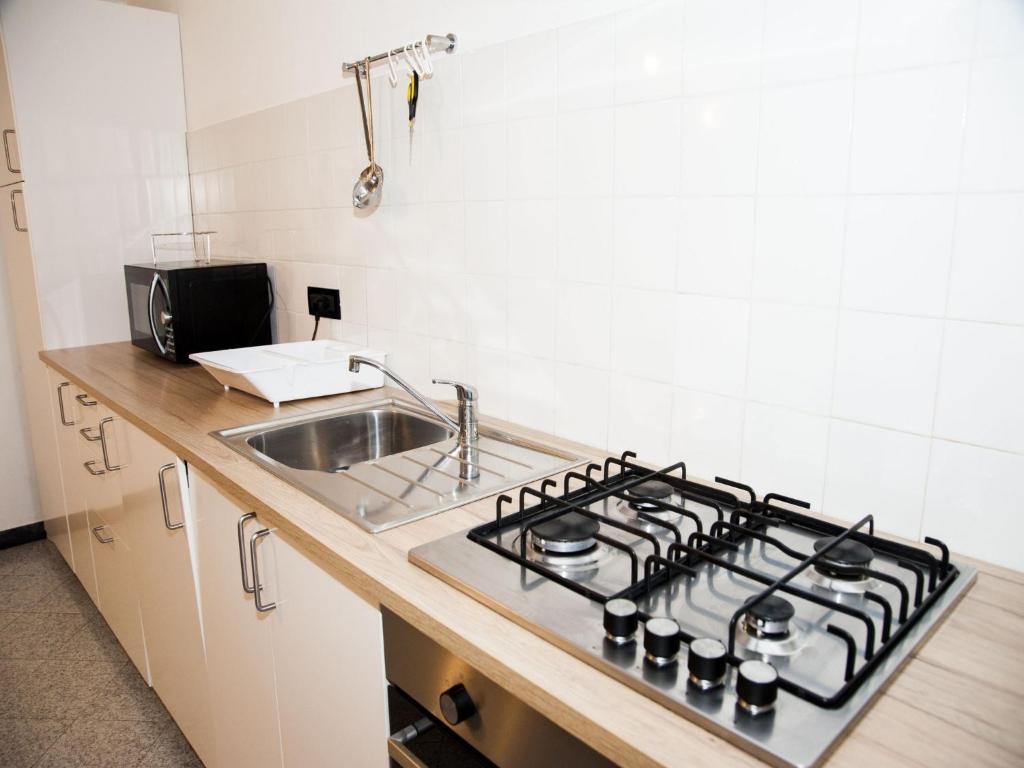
{"points": [[769, 626]]}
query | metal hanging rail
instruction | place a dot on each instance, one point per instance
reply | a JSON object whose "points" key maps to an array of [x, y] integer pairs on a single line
{"points": [[434, 44]]}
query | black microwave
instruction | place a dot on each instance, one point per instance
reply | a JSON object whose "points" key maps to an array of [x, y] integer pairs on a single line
{"points": [[176, 309]]}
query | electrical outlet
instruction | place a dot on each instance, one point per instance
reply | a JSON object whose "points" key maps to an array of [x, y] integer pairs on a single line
{"points": [[325, 302]]}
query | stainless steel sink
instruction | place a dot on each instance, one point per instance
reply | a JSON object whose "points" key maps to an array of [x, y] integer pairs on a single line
{"points": [[389, 462]]}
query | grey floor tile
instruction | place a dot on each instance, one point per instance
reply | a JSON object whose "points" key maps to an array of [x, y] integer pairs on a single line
{"points": [[90, 743], [57, 689], [94, 641], [39, 635], [171, 750], [24, 741], [124, 695]]}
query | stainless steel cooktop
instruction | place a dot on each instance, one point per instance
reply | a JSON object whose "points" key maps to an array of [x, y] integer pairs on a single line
{"points": [[767, 625]]}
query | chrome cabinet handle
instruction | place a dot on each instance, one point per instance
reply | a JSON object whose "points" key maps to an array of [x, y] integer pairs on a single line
{"points": [[7, 151], [163, 499], [14, 210], [241, 549], [95, 472], [103, 445], [60, 403], [260, 605], [99, 538], [84, 400], [84, 432]]}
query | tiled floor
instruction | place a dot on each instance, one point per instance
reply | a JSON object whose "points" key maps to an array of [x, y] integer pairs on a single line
{"points": [[69, 695]]}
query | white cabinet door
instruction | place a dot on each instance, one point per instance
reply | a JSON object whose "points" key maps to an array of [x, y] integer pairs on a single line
{"points": [[328, 661], [239, 650], [157, 514], [63, 410], [115, 575]]}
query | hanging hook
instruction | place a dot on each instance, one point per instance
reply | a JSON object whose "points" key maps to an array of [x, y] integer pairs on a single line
{"points": [[392, 74], [411, 60], [426, 66]]}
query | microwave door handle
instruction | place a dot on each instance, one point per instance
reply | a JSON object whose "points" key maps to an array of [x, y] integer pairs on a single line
{"points": [[152, 319]]}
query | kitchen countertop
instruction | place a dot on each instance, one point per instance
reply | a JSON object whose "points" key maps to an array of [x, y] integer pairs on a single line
{"points": [[958, 701]]}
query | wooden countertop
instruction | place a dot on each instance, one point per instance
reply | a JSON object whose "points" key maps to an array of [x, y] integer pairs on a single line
{"points": [[959, 701]]}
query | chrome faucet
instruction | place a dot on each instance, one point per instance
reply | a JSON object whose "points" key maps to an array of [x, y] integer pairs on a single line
{"points": [[466, 426]]}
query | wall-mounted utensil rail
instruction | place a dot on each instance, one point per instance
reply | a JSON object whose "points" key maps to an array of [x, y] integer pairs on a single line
{"points": [[434, 44]]}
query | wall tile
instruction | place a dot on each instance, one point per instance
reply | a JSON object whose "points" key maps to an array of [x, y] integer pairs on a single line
{"points": [[381, 298], [583, 325], [483, 85], [913, 33], [487, 311], [907, 239], [805, 138], [641, 333], [707, 433], [581, 404], [716, 245], [585, 244], [798, 249], [887, 370], [993, 154], [963, 481], [532, 237], [647, 149], [988, 259], [484, 162], [980, 382], [711, 362], [531, 156], [486, 238], [645, 242], [648, 52], [907, 131], [531, 392], [808, 40], [638, 418], [1000, 28], [586, 64], [876, 471], [488, 370], [586, 154], [530, 89], [719, 143], [722, 45], [784, 452], [792, 350], [532, 303]]}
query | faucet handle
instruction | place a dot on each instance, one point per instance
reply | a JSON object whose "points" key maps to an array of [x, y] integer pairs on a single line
{"points": [[465, 392]]}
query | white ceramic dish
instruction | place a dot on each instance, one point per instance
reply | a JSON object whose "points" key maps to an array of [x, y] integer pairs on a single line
{"points": [[301, 369]]}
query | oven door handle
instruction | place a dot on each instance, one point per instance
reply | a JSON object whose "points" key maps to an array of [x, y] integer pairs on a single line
{"points": [[397, 749], [152, 320]]}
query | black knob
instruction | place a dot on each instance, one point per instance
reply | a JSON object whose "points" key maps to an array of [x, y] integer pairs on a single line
{"points": [[661, 641], [456, 705], [706, 662], [620, 620], [757, 686]]}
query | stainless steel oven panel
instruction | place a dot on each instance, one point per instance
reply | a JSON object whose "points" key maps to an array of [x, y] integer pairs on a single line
{"points": [[502, 728]]}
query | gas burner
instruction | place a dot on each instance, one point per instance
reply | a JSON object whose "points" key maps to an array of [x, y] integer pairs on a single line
{"points": [[828, 571], [568, 534], [651, 489], [768, 628]]}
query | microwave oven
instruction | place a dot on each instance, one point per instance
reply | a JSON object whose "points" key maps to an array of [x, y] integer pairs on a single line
{"points": [[176, 309]]}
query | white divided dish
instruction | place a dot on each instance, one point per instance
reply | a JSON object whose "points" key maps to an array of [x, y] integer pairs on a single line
{"points": [[283, 372]]}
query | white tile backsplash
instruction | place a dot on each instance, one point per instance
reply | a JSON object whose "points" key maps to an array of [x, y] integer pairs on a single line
{"points": [[777, 239]]}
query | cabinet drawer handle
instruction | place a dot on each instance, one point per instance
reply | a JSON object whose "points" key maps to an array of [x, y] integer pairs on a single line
{"points": [[163, 499], [241, 549], [60, 404], [14, 210], [103, 444], [7, 151], [101, 539], [96, 472], [260, 605], [86, 432], [84, 400]]}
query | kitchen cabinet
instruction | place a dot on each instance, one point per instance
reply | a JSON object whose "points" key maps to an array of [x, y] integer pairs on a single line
{"points": [[63, 412], [297, 676], [75, 476], [111, 546], [156, 512]]}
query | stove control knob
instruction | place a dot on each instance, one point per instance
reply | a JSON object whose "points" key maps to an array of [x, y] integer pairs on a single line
{"points": [[706, 662], [757, 686], [661, 641], [620, 620], [456, 705]]}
